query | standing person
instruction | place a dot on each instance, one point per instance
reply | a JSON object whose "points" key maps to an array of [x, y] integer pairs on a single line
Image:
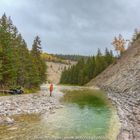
{"points": [[51, 89]]}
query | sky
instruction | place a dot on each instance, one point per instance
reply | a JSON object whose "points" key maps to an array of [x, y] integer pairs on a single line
{"points": [[73, 26]]}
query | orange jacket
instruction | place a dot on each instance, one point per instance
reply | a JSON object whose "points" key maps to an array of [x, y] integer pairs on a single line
{"points": [[51, 87]]}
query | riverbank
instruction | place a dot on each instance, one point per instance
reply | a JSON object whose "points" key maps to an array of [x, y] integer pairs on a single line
{"points": [[85, 112], [39, 102], [121, 81], [129, 113], [35, 103], [127, 104]]}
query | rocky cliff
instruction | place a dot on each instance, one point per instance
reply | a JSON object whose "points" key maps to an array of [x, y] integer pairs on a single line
{"points": [[54, 70], [122, 83]]}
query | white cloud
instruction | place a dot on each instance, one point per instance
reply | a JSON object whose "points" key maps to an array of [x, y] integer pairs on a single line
{"points": [[73, 26]]}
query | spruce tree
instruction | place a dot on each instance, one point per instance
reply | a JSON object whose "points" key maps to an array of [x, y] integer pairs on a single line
{"points": [[19, 66], [38, 64]]}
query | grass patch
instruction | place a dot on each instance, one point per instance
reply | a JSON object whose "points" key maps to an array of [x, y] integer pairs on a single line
{"points": [[29, 91], [85, 97], [5, 94]]}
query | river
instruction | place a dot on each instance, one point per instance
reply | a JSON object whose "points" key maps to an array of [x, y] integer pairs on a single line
{"points": [[85, 114]]}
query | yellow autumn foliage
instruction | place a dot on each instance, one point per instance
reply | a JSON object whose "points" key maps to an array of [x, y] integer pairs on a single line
{"points": [[119, 44]]}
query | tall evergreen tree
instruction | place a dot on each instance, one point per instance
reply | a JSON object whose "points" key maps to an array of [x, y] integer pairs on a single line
{"points": [[39, 64], [19, 66]]}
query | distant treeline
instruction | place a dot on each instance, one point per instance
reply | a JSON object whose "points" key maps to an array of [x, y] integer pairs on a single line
{"points": [[18, 65], [71, 57], [85, 70], [53, 58]]}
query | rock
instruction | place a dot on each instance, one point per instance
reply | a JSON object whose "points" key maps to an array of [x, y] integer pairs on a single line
{"points": [[124, 135], [1, 120], [61, 106], [50, 107], [13, 128], [57, 107], [9, 120], [52, 112], [27, 104], [138, 118], [6, 120]]}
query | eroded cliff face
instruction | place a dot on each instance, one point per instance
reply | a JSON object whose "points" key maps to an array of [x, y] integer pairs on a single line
{"points": [[122, 83], [54, 70]]}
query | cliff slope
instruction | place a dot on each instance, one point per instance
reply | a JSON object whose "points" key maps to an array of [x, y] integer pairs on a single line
{"points": [[122, 83], [54, 70]]}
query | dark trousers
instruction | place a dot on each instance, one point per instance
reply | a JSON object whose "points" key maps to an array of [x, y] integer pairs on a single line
{"points": [[50, 93]]}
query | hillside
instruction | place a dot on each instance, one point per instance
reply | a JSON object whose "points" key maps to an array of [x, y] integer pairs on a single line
{"points": [[54, 70], [55, 66], [122, 83]]}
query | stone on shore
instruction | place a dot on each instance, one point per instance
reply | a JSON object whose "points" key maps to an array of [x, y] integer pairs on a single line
{"points": [[6, 120], [27, 104]]}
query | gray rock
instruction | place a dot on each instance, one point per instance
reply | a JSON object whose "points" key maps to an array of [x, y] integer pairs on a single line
{"points": [[9, 120]]}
